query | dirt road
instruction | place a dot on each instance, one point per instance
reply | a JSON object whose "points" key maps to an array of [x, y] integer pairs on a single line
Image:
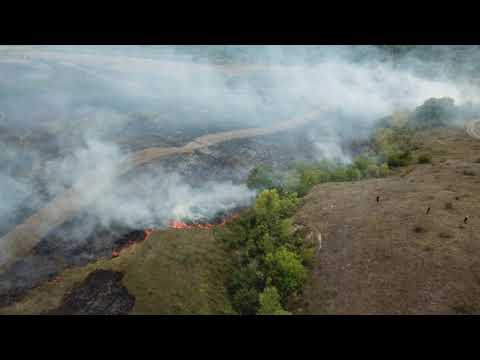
{"points": [[24, 237], [473, 128]]}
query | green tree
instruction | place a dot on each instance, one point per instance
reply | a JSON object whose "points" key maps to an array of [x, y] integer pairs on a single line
{"points": [[383, 170], [285, 271], [434, 112], [243, 288], [373, 171], [270, 302], [352, 173], [245, 301], [261, 178], [361, 163], [268, 204], [394, 145], [289, 203]]}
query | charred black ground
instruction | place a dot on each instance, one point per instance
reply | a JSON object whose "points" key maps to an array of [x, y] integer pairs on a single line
{"points": [[64, 247], [101, 293]]}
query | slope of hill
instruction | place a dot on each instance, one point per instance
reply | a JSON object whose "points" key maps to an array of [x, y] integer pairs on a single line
{"points": [[392, 257], [172, 272], [389, 257]]}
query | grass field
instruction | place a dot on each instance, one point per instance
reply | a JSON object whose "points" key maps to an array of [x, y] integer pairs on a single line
{"points": [[389, 257], [172, 272]]}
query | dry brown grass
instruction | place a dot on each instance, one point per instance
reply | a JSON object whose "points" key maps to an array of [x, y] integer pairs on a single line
{"points": [[392, 257]]}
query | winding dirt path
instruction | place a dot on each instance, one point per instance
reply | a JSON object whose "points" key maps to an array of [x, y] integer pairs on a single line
{"points": [[473, 128], [20, 240]]}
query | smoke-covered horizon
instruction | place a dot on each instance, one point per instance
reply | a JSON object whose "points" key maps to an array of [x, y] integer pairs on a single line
{"points": [[75, 108]]}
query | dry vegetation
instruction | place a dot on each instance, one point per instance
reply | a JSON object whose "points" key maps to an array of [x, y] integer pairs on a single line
{"points": [[389, 257], [392, 257]]}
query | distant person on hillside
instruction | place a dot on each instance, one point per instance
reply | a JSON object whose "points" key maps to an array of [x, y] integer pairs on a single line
{"points": [[428, 210], [378, 199], [465, 220]]}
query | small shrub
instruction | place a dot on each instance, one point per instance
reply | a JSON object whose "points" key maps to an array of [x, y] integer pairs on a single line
{"points": [[399, 159], [448, 206], [468, 172], [373, 171], [445, 235], [352, 174], [425, 159], [464, 308], [384, 170], [418, 229], [308, 256]]}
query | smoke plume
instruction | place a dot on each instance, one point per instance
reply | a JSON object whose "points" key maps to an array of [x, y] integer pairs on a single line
{"points": [[70, 114]]}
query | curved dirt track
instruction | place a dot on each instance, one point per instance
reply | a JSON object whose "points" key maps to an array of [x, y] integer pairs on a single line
{"points": [[473, 128], [24, 237]]}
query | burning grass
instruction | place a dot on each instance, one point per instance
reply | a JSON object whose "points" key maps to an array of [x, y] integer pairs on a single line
{"points": [[137, 236], [131, 239], [218, 221]]}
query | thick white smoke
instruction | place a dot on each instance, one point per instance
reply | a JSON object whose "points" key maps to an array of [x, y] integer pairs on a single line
{"points": [[149, 198], [84, 100]]}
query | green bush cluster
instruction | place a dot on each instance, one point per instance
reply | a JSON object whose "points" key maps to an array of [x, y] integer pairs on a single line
{"points": [[391, 146], [424, 159], [270, 258], [434, 113], [268, 255], [301, 177], [394, 145], [261, 178], [270, 302]]}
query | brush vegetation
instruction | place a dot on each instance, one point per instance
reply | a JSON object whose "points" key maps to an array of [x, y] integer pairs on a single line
{"points": [[267, 255], [301, 177], [270, 258]]}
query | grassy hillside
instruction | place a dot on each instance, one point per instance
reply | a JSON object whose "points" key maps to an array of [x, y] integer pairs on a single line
{"points": [[173, 272], [411, 252], [391, 257]]}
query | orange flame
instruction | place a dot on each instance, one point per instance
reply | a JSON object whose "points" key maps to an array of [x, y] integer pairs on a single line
{"points": [[177, 224], [147, 233]]}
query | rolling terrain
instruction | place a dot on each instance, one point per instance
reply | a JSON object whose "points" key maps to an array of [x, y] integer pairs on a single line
{"points": [[172, 272], [396, 256], [120, 171], [25, 236], [389, 257]]}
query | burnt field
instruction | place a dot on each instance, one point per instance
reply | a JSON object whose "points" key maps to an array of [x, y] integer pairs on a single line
{"points": [[37, 139], [119, 166], [84, 239]]}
